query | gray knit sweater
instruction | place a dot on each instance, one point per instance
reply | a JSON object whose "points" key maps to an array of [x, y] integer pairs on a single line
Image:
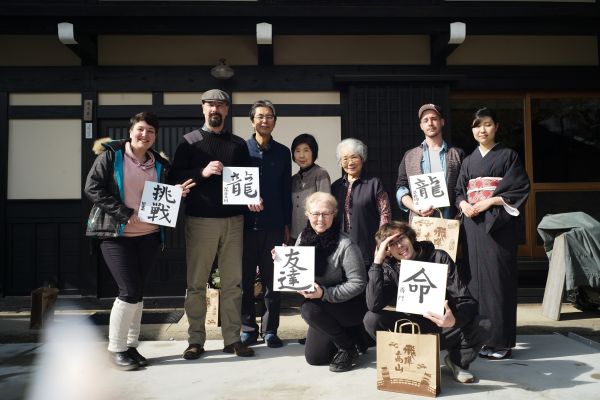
{"points": [[345, 276]]}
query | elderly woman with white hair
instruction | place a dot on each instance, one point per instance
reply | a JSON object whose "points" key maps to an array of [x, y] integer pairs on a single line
{"points": [[336, 307], [364, 204]]}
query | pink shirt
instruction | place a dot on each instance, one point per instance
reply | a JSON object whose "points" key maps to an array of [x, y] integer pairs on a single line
{"points": [[135, 175]]}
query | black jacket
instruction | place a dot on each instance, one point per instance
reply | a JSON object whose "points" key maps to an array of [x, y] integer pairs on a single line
{"points": [[382, 287], [197, 149], [103, 187]]}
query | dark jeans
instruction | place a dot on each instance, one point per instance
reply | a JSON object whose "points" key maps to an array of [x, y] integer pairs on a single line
{"points": [[257, 253], [130, 260], [331, 326], [463, 343]]}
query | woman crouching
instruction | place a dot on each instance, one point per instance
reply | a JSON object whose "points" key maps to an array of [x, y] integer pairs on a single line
{"points": [[337, 305]]}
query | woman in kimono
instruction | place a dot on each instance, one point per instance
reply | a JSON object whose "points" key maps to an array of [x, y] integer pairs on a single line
{"points": [[491, 186]]}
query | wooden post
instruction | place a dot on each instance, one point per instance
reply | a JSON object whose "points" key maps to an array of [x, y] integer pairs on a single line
{"points": [[555, 284]]}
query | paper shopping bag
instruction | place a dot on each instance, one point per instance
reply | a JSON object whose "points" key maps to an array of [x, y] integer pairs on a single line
{"points": [[213, 317], [408, 362], [443, 233]]}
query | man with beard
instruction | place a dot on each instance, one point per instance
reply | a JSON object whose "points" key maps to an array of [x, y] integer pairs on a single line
{"points": [[211, 228], [432, 155]]}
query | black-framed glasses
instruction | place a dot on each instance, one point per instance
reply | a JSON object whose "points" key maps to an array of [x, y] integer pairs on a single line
{"points": [[320, 214]]}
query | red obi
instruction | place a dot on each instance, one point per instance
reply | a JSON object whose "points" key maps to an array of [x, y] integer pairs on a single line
{"points": [[481, 188]]}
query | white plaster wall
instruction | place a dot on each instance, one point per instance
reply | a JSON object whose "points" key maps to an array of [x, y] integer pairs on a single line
{"points": [[44, 159]]}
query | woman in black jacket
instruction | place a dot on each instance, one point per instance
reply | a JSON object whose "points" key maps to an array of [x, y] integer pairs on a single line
{"points": [[115, 184]]}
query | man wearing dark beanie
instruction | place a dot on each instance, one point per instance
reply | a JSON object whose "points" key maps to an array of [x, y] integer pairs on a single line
{"points": [[211, 228]]}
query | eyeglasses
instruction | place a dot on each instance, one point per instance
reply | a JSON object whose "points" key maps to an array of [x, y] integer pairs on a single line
{"points": [[320, 214], [347, 159], [265, 117], [398, 240]]}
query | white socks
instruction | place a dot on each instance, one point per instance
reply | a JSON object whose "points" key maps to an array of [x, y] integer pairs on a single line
{"points": [[134, 329], [121, 317]]}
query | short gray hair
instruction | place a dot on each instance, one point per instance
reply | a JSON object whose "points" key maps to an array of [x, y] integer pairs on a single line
{"points": [[321, 196], [354, 145]]}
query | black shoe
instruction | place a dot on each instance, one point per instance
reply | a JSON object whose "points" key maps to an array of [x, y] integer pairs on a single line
{"points": [[122, 361], [361, 348], [238, 349], [193, 352], [273, 341], [136, 356], [249, 338], [343, 360]]}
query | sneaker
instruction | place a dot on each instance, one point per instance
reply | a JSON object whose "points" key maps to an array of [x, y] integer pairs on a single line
{"points": [[239, 349], [500, 354], [343, 360], [485, 352], [137, 357], [273, 341], [459, 374], [248, 338], [193, 352]]}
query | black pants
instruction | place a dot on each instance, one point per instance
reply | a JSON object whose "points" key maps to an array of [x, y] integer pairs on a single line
{"points": [[257, 253], [463, 343], [130, 260], [331, 326]]}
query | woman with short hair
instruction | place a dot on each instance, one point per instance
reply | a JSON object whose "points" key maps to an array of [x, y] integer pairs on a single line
{"points": [[309, 179], [364, 203], [337, 305], [115, 184]]}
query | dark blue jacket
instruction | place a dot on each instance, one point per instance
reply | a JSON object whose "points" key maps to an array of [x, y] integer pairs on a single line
{"points": [[275, 167]]}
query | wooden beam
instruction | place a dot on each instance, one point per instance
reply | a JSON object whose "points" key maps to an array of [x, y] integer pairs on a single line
{"points": [[86, 49], [3, 183], [294, 78], [441, 49], [265, 54], [308, 9]]}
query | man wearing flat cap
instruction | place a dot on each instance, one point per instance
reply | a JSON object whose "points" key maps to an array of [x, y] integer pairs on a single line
{"points": [[432, 155], [211, 228]]}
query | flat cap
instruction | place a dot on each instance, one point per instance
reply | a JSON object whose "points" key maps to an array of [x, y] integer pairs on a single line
{"points": [[216, 95], [432, 107]]}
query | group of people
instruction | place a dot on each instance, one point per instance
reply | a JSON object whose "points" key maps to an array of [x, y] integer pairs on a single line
{"points": [[358, 248]]}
